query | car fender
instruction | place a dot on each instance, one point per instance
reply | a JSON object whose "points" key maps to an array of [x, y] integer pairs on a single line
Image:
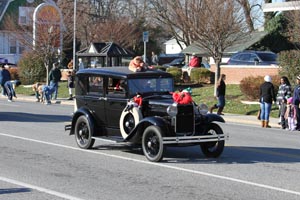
{"points": [[213, 117], [87, 114], [137, 132]]}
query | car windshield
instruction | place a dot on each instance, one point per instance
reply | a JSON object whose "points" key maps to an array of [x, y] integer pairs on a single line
{"points": [[267, 56], [177, 60], [150, 85]]}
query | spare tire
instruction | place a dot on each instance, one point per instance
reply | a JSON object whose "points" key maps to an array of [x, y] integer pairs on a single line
{"points": [[129, 119]]}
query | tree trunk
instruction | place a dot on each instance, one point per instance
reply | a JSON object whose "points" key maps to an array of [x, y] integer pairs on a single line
{"points": [[217, 74]]}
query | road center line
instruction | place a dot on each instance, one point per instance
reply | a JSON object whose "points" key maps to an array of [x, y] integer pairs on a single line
{"points": [[160, 165], [58, 194]]}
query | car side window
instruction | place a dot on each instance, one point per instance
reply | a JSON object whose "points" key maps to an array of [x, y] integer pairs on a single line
{"points": [[81, 87], [95, 84], [116, 87], [245, 57], [253, 57]]}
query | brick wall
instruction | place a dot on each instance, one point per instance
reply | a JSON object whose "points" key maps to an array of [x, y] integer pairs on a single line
{"points": [[235, 73]]}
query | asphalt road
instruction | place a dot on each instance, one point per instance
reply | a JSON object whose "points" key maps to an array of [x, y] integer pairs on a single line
{"points": [[39, 160]]}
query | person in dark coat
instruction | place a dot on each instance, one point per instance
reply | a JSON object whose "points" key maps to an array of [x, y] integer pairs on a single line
{"points": [[296, 100], [267, 97], [221, 90], [4, 76], [54, 78]]}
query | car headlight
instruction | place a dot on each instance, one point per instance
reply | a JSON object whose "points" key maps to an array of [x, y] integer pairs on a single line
{"points": [[203, 108], [172, 110]]}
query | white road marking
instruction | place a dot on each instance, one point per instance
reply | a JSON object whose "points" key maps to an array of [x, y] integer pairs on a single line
{"points": [[58, 194], [160, 165]]}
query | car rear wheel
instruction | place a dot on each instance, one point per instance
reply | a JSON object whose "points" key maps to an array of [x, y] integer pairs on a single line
{"points": [[83, 133], [152, 143], [213, 149]]}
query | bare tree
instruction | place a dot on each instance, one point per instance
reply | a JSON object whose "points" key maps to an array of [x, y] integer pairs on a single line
{"points": [[213, 25], [47, 41]]}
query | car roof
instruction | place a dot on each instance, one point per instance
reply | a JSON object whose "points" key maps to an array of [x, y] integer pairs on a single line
{"points": [[123, 72], [252, 51]]}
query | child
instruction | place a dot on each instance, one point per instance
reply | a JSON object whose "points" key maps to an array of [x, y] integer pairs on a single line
{"points": [[290, 114], [37, 88], [70, 84], [283, 120], [8, 85]]}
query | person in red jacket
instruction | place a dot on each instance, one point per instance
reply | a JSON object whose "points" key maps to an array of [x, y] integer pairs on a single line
{"points": [[195, 61]]}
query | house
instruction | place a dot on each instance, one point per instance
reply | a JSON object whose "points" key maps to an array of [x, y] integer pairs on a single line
{"points": [[11, 48], [172, 46], [235, 73]]}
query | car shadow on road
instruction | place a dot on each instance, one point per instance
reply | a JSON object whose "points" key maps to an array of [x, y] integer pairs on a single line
{"points": [[234, 155], [14, 190], [231, 154], [31, 117]]}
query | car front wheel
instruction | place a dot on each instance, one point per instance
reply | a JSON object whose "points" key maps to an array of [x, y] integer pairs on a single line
{"points": [[152, 144], [213, 149], [83, 133]]}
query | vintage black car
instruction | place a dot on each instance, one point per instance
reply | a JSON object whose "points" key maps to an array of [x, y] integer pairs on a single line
{"points": [[104, 109]]}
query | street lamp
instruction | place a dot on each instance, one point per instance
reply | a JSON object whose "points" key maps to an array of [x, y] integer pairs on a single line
{"points": [[74, 35]]}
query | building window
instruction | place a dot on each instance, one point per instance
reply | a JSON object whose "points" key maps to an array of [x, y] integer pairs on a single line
{"points": [[25, 15], [12, 46]]}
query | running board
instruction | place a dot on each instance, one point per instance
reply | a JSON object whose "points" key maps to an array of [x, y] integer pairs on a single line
{"points": [[194, 139], [110, 139]]}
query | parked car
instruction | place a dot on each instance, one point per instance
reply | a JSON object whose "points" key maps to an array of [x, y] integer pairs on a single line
{"points": [[178, 62], [105, 108], [253, 58]]}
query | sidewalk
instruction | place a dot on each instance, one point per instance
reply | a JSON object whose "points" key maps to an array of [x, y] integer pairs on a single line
{"points": [[230, 118], [248, 119]]}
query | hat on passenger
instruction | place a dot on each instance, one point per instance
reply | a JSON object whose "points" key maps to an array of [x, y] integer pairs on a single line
{"points": [[268, 78], [298, 77], [290, 100], [187, 90]]}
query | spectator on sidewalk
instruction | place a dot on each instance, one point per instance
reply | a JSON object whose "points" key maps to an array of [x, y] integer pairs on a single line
{"points": [[267, 96], [70, 84], [296, 100], [9, 88], [4, 77], [154, 58], [290, 115], [221, 90], [284, 92], [54, 77]]}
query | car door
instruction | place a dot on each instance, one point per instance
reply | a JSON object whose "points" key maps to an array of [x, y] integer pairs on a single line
{"points": [[95, 99], [116, 101]]}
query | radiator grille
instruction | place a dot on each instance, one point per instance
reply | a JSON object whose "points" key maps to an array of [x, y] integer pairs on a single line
{"points": [[185, 119]]}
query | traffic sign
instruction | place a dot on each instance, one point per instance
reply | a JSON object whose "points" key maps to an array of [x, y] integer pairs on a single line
{"points": [[145, 36]]}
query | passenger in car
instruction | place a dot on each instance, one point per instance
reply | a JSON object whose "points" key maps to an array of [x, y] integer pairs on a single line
{"points": [[137, 64]]}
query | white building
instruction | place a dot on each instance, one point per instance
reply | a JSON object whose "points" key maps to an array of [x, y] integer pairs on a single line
{"points": [[10, 47], [172, 46]]}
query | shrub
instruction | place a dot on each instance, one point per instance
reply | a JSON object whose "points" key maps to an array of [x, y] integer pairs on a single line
{"points": [[199, 75], [176, 73], [289, 64], [250, 86], [31, 69], [14, 73]]}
